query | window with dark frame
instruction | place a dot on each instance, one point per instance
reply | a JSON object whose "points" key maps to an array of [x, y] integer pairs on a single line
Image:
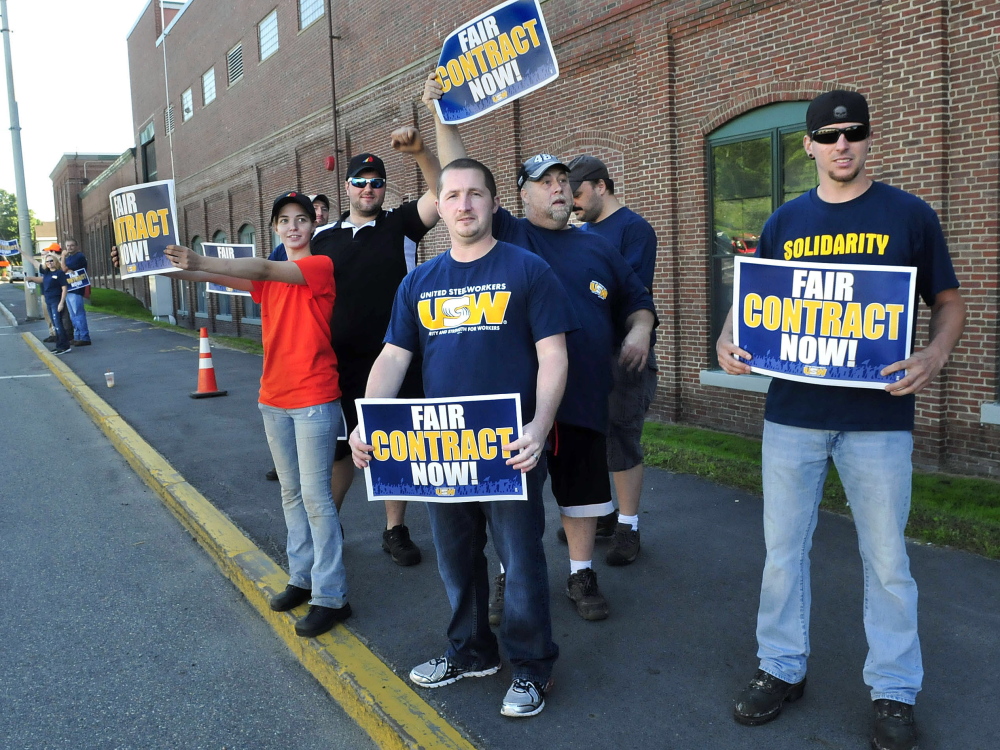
{"points": [[200, 287], [755, 164], [223, 302], [251, 310]]}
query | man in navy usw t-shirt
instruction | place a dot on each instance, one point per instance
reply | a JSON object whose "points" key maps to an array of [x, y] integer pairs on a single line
{"points": [[521, 349]]}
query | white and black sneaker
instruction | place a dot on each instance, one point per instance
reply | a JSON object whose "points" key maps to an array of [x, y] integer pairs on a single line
{"points": [[524, 698], [440, 672]]}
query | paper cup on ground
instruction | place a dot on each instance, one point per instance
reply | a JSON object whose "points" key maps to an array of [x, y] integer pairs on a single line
{"points": [[109, 377]]}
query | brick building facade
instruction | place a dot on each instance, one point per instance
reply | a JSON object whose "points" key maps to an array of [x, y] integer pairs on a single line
{"points": [[650, 87]]}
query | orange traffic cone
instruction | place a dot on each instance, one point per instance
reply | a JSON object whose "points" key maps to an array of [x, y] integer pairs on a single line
{"points": [[206, 371]]}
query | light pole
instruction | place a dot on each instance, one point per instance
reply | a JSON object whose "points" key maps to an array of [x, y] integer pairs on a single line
{"points": [[23, 222]]}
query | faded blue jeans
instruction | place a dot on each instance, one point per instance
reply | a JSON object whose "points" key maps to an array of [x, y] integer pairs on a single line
{"points": [[302, 443], [516, 527], [77, 314], [875, 470]]}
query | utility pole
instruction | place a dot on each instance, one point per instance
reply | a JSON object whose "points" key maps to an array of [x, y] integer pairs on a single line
{"points": [[23, 221]]}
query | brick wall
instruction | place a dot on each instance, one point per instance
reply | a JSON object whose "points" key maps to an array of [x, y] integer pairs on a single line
{"points": [[643, 84]]}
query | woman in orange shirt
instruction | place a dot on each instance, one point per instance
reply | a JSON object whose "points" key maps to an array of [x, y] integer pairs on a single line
{"points": [[299, 401]]}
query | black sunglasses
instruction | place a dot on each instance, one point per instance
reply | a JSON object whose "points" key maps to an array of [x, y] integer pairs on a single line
{"points": [[360, 182], [828, 136]]}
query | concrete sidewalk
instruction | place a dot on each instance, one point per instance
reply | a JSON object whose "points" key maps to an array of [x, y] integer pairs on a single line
{"points": [[661, 672]]}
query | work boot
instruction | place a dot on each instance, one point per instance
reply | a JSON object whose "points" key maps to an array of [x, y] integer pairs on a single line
{"points": [[895, 728], [762, 700], [496, 600], [590, 602], [396, 541], [625, 547]]}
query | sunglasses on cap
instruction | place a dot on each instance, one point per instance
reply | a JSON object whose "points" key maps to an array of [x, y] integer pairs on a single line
{"points": [[828, 136], [360, 182]]}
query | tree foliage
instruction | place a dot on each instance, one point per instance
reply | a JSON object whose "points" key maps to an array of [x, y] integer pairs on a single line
{"points": [[8, 218]]}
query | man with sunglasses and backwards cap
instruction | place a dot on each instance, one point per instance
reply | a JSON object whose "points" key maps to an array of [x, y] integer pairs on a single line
{"points": [[616, 314], [867, 433], [372, 249]]}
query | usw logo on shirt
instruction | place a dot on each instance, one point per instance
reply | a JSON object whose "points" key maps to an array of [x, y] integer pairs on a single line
{"points": [[467, 310]]}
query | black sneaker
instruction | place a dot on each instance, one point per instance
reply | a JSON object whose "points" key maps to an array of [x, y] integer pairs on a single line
{"points": [[272, 475], [290, 598], [590, 602], [396, 541], [60, 350], [762, 700], [440, 672], [81, 342], [895, 727], [496, 600], [625, 547], [49, 340], [605, 527], [321, 619]]}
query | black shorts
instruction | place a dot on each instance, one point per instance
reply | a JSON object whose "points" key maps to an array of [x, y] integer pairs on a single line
{"points": [[353, 374], [577, 459]]}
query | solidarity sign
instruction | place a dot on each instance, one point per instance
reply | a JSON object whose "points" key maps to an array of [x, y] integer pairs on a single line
{"points": [[826, 323], [442, 450], [218, 250], [145, 223], [494, 59], [9, 247]]}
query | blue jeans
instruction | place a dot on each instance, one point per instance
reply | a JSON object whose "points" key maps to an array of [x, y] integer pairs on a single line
{"points": [[74, 303], [875, 470], [62, 335], [302, 443], [516, 526]]}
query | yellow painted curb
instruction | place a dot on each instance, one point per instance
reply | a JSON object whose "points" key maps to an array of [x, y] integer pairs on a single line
{"points": [[382, 704]]}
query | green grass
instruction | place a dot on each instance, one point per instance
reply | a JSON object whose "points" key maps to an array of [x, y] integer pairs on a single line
{"points": [[117, 303], [957, 511]]}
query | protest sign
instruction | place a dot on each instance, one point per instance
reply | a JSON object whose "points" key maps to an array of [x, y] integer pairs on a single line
{"points": [[442, 449], [219, 250], [494, 59], [9, 247], [144, 218], [77, 279], [825, 323]]}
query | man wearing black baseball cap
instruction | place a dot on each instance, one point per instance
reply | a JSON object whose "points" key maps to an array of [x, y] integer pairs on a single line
{"points": [[866, 433], [595, 204], [609, 300]]}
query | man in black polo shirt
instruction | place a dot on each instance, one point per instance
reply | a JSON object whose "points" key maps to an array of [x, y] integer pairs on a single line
{"points": [[372, 250]]}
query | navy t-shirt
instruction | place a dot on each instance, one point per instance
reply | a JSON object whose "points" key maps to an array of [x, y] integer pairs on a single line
{"points": [[476, 324], [901, 230], [634, 238], [603, 290], [52, 284]]}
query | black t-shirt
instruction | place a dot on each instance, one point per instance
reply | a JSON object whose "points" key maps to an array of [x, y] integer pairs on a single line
{"points": [[368, 265]]}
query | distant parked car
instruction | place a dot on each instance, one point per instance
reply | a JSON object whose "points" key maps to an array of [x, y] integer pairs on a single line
{"points": [[16, 273], [745, 245]]}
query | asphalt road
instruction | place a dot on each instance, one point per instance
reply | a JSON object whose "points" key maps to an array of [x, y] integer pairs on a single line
{"points": [[117, 630]]}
